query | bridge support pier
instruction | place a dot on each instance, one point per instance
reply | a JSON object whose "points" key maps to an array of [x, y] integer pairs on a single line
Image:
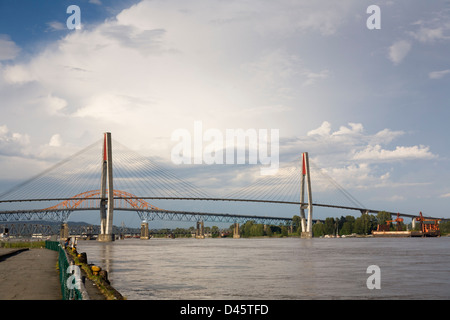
{"points": [[107, 192], [306, 235], [236, 234], [105, 237], [64, 231], [306, 184], [144, 231], [200, 232]]}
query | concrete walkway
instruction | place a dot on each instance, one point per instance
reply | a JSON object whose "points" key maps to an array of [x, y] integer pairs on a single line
{"points": [[29, 275]]}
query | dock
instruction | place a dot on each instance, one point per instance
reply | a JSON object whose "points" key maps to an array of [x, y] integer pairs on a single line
{"points": [[401, 234]]}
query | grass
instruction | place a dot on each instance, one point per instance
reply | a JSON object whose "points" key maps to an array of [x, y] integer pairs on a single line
{"points": [[22, 244], [109, 292]]}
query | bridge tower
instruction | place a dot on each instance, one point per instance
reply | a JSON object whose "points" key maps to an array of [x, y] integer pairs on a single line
{"points": [[306, 184], [107, 192]]}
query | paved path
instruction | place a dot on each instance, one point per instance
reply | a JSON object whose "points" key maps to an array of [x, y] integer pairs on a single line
{"points": [[29, 275]]}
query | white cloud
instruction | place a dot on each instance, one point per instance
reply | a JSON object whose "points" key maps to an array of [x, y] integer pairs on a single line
{"points": [[434, 29], [377, 153], [353, 142], [160, 65], [18, 74], [438, 74], [167, 61], [55, 141], [429, 35], [323, 130], [53, 105], [353, 157], [385, 136], [13, 143], [314, 77], [56, 26], [399, 50], [446, 195], [395, 198], [8, 49]]}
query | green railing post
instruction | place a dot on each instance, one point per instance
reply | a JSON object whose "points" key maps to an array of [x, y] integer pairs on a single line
{"points": [[67, 293]]}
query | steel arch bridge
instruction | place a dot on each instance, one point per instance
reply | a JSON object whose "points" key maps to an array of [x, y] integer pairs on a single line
{"points": [[125, 201]]}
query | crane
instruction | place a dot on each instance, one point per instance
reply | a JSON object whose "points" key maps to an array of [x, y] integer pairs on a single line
{"points": [[429, 227], [398, 220]]}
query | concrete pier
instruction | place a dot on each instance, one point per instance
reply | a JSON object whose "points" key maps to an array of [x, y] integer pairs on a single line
{"points": [[200, 231], [145, 235], [64, 231], [236, 234], [306, 235]]}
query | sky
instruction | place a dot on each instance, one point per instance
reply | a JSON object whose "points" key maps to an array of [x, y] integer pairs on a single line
{"points": [[370, 106]]}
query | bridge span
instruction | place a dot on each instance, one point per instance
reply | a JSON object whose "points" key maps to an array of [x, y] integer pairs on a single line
{"points": [[107, 198]]}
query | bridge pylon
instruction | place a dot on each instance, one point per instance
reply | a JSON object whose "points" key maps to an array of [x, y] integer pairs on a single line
{"points": [[107, 192], [306, 187], [145, 234]]}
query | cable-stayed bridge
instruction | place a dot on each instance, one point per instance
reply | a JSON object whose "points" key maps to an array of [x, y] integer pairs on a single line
{"points": [[94, 180]]}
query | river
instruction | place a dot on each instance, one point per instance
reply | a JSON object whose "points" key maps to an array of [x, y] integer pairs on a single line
{"points": [[275, 268]]}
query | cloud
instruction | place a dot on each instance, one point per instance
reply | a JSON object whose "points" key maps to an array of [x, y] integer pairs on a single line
{"points": [[446, 195], [430, 35], [97, 2], [314, 77], [385, 136], [438, 74], [13, 143], [351, 142], [435, 28], [18, 74], [8, 49], [56, 26], [167, 61], [161, 65], [55, 141], [324, 130], [399, 50], [353, 157], [377, 153]]}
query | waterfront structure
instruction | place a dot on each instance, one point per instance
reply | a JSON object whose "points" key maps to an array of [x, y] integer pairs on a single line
{"points": [[162, 185]]}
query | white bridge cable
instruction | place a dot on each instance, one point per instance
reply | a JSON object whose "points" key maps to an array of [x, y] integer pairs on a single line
{"points": [[282, 186], [335, 194], [75, 174], [144, 177]]}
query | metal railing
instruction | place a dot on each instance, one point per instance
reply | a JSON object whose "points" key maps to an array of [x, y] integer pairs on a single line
{"points": [[70, 289]]}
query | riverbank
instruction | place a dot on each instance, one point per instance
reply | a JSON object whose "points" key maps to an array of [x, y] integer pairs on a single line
{"points": [[29, 274], [29, 271]]}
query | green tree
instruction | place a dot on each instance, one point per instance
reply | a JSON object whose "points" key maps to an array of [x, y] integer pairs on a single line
{"points": [[444, 227], [329, 226], [365, 224], [215, 232], [382, 217], [347, 228], [284, 231], [297, 224], [246, 229], [317, 229], [257, 230]]}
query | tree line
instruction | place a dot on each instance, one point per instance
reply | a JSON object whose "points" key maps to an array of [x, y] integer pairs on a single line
{"points": [[362, 225]]}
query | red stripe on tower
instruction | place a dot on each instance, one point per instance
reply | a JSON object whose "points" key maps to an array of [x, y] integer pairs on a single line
{"points": [[304, 165]]}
